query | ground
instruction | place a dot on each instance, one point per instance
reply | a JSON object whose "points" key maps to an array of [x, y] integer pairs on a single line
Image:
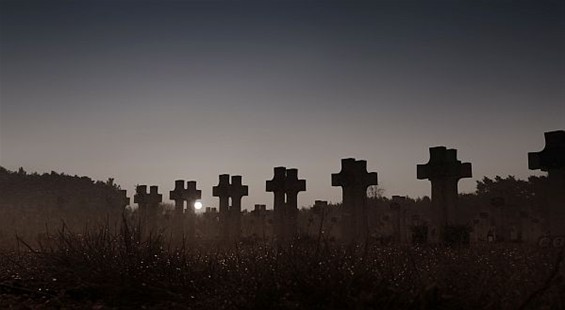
{"points": [[103, 270]]}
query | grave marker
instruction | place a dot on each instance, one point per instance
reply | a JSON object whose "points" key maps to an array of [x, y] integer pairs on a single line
{"points": [[259, 212], [236, 191], [191, 195], [285, 187], [552, 160], [398, 206], [444, 171], [276, 186], [124, 199], [354, 180], [230, 215], [181, 194], [293, 186], [222, 192], [178, 196], [148, 204]]}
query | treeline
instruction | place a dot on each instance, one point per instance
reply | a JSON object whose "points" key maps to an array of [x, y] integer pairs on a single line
{"points": [[31, 203], [512, 209], [61, 191], [508, 192]]}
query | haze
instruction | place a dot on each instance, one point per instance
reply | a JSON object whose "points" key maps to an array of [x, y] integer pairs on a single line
{"points": [[150, 92]]}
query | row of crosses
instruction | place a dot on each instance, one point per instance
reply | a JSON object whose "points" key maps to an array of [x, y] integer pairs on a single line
{"points": [[443, 170]]}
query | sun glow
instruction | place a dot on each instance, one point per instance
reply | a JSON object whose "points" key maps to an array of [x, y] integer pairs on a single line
{"points": [[198, 205]]}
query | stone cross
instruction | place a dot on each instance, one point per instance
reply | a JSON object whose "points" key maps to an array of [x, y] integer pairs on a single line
{"points": [[230, 216], [237, 191], [276, 186], [285, 186], [222, 192], [148, 203], [191, 196], [444, 171], [140, 197], [552, 160], [179, 195], [354, 180], [154, 198], [293, 186], [124, 199]]}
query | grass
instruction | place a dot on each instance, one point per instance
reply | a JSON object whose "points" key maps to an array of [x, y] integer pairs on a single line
{"points": [[105, 268]]}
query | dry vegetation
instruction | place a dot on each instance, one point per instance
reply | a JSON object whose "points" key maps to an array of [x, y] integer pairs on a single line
{"points": [[82, 265], [101, 268]]}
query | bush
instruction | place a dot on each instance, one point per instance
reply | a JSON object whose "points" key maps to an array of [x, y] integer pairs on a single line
{"points": [[125, 268], [456, 235]]}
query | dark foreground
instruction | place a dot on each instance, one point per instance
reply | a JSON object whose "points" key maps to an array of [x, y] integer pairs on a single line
{"points": [[103, 270]]}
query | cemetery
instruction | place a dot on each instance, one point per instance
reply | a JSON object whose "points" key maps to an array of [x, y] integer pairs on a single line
{"points": [[288, 154], [355, 220], [368, 251]]}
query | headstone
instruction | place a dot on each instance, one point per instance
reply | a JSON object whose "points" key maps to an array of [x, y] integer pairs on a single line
{"points": [[178, 196], [259, 224], [398, 207], [552, 160], [124, 199], [320, 211], [140, 197], [191, 196], [181, 219], [354, 180], [293, 186], [444, 171], [237, 191], [285, 186], [230, 215], [276, 186], [259, 209], [148, 205], [153, 200], [319, 207], [222, 192]]}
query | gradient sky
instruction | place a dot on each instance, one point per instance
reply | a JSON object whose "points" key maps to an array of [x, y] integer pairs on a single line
{"points": [[150, 92]]}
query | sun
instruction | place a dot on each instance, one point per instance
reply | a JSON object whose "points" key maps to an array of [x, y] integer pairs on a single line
{"points": [[198, 205]]}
